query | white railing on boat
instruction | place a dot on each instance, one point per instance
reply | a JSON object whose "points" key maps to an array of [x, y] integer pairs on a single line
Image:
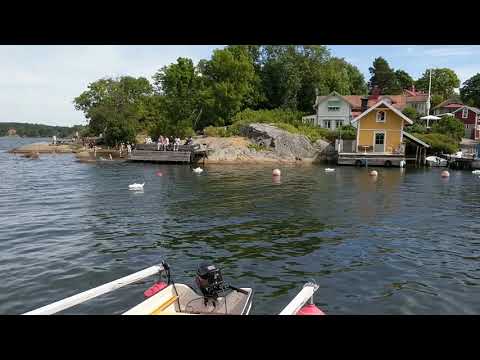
{"points": [[305, 295], [95, 292]]}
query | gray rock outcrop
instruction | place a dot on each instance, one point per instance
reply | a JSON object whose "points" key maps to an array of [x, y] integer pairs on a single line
{"points": [[281, 142]]}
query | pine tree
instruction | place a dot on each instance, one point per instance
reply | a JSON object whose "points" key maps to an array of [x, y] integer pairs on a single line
{"points": [[384, 78]]}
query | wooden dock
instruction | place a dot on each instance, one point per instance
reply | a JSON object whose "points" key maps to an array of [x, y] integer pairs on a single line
{"points": [[185, 154], [462, 163], [370, 159]]}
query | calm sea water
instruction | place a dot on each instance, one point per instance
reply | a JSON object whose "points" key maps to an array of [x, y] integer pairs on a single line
{"points": [[407, 243]]}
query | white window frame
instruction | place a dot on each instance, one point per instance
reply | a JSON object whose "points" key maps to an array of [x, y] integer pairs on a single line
{"points": [[338, 124], [333, 108], [384, 116], [464, 113], [329, 124], [384, 139]]}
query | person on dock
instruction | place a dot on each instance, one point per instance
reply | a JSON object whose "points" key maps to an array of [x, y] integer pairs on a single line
{"points": [[129, 148], [189, 141], [166, 142], [176, 144], [159, 142], [54, 140]]}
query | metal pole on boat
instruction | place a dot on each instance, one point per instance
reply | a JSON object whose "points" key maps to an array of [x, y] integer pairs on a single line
{"points": [[304, 296], [95, 292]]}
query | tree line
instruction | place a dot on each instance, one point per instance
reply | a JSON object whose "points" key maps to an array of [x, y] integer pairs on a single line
{"points": [[40, 130], [185, 97]]}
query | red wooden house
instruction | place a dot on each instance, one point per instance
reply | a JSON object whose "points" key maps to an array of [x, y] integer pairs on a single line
{"points": [[470, 116]]}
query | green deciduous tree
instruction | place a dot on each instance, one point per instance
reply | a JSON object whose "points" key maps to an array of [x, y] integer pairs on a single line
{"points": [[444, 81], [383, 77], [228, 85], [338, 75], [291, 73], [178, 87], [470, 91], [435, 100], [113, 106], [410, 112]]}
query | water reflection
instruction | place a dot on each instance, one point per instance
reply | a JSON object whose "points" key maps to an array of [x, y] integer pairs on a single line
{"points": [[374, 246]]}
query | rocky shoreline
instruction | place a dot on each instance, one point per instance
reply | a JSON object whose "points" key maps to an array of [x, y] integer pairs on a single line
{"points": [[43, 148], [259, 143], [263, 143]]}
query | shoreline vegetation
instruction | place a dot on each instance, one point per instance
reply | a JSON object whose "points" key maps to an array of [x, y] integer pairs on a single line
{"points": [[218, 100]]}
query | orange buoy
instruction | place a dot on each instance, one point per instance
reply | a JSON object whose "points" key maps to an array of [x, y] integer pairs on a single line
{"points": [[445, 173], [158, 173], [276, 172]]}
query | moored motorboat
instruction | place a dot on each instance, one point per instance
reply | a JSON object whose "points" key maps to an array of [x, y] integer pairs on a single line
{"points": [[436, 161], [165, 297]]}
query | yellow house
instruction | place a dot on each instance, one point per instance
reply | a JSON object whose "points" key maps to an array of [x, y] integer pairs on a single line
{"points": [[380, 129]]}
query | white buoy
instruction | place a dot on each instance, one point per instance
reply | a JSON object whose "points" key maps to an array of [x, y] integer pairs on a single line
{"points": [[373, 173], [136, 186], [329, 170], [476, 172], [276, 172], [198, 170], [445, 173]]}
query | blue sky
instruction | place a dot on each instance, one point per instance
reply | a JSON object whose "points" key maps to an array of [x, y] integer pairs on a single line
{"points": [[40, 82]]}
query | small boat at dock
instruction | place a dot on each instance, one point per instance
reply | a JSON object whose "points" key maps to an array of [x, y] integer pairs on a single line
{"points": [[436, 161], [213, 297]]}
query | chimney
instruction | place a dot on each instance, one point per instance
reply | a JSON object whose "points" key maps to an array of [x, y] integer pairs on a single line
{"points": [[364, 103]]}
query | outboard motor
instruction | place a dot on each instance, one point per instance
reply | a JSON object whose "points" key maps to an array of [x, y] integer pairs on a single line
{"points": [[209, 280]]}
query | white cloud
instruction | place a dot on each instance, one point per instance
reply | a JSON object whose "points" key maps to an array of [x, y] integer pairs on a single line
{"points": [[452, 51], [39, 83]]}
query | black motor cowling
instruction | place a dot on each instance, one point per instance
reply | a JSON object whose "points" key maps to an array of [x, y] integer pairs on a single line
{"points": [[209, 280]]}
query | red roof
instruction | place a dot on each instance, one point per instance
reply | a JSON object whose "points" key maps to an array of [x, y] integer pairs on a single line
{"points": [[453, 106], [398, 101]]}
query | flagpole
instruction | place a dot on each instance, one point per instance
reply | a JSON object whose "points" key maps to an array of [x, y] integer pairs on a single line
{"points": [[429, 98]]}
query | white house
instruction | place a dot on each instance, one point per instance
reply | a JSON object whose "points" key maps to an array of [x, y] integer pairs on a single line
{"points": [[335, 110], [332, 111]]}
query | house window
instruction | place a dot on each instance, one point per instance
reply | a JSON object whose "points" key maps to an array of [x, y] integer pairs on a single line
{"points": [[327, 124], [464, 113], [381, 116], [379, 138], [334, 105], [338, 123]]}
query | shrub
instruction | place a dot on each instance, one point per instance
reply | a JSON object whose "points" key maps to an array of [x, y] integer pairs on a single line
{"points": [[268, 116], [411, 113], [416, 128], [450, 126], [274, 116], [439, 143], [257, 147], [220, 131]]}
